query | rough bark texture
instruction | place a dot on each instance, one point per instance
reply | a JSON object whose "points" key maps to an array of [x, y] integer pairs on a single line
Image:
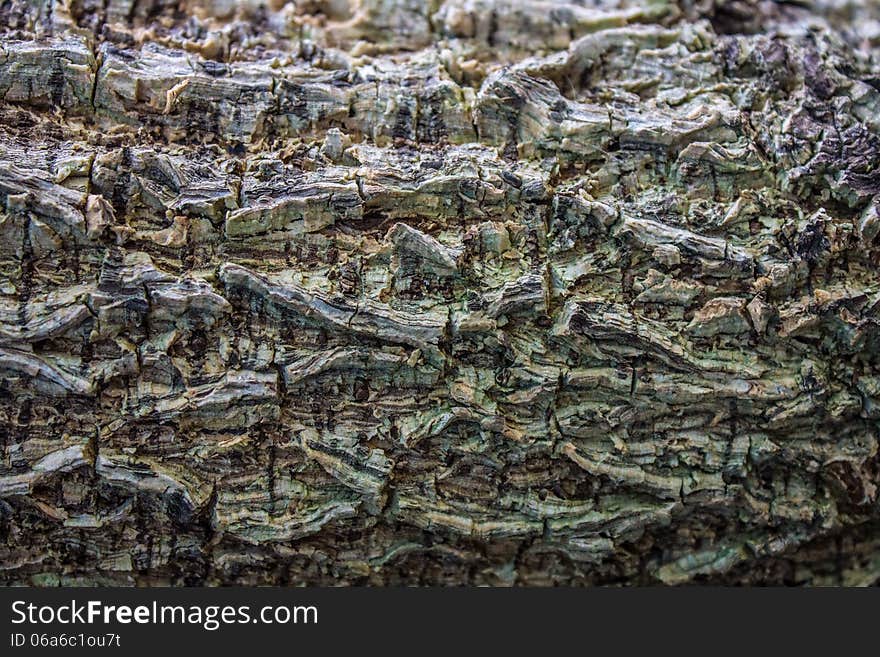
{"points": [[463, 292]]}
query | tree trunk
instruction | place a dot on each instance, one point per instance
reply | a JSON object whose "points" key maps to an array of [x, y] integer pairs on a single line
{"points": [[466, 292]]}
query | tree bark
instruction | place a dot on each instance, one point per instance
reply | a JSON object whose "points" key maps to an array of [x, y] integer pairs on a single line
{"points": [[464, 292]]}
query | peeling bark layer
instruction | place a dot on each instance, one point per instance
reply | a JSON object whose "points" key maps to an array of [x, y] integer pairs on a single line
{"points": [[462, 292]]}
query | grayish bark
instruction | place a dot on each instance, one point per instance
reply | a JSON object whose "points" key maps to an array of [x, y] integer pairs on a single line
{"points": [[463, 292]]}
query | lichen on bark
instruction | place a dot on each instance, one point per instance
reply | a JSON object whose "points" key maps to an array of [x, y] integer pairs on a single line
{"points": [[450, 292]]}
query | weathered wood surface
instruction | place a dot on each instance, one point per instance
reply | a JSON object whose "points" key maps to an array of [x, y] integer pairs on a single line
{"points": [[463, 292]]}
